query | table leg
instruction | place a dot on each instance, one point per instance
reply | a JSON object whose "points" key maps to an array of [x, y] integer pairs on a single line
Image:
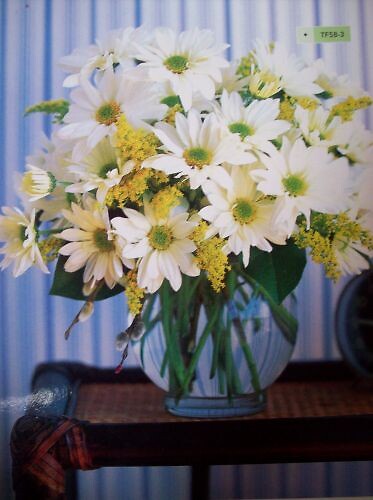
{"points": [[71, 484], [200, 482], [37, 472], [43, 448]]}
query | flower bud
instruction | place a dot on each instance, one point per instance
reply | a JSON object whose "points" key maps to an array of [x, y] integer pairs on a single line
{"points": [[38, 183]]}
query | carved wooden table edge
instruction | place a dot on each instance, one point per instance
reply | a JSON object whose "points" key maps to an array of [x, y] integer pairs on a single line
{"points": [[48, 440]]}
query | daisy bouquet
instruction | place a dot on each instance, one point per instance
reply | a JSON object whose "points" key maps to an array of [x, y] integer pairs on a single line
{"points": [[182, 179]]}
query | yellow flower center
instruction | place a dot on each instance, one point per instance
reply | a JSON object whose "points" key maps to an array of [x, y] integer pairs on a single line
{"points": [[108, 113], [160, 237], [241, 128], [295, 185], [197, 157], [101, 240], [243, 211], [106, 168], [177, 63]]}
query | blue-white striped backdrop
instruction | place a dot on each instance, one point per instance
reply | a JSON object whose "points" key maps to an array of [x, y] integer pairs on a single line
{"points": [[34, 34]]}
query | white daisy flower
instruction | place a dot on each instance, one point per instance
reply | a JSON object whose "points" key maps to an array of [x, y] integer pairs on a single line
{"points": [[362, 199], [94, 111], [263, 84], [92, 246], [53, 157], [190, 61], [355, 142], [349, 257], [316, 126], [285, 70], [197, 149], [256, 124], [116, 48], [162, 246], [303, 179], [169, 97], [334, 85], [18, 232], [239, 214], [231, 81], [100, 170]]}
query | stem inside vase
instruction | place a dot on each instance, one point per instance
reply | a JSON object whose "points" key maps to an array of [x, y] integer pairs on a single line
{"points": [[223, 348]]}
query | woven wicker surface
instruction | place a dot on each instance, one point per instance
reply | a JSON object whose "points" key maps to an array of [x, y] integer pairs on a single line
{"points": [[143, 403]]}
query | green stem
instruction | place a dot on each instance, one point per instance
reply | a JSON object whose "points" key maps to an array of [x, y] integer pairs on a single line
{"points": [[247, 354], [148, 328], [164, 363], [235, 379], [64, 183], [217, 345], [148, 309], [228, 361], [200, 345], [237, 324], [221, 379], [194, 323], [176, 365]]}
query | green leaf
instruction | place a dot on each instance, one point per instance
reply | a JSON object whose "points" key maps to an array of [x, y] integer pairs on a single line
{"points": [[58, 107], [70, 284], [279, 271]]}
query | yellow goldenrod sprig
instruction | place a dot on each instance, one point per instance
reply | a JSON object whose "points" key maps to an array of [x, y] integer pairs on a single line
{"points": [[199, 232], [305, 102], [49, 248], [171, 112], [58, 107], [329, 233], [321, 250], [164, 200], [286, 110], [246, 65], [132, 144], [134, 294], [346, 108], [131, 188], [211, 258], [288, 104]]}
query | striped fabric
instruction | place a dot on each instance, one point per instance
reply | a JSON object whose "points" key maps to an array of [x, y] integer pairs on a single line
{"points": [[34, 34]]}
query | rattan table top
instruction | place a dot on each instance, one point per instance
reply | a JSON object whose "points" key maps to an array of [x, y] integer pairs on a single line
{"points": [[108, 403]]}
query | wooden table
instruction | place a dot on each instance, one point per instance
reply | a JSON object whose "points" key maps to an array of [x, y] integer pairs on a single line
{"points": [[84, 418]]}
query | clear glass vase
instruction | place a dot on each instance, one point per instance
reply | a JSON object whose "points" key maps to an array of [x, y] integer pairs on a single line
{"points": [[214, 355]]}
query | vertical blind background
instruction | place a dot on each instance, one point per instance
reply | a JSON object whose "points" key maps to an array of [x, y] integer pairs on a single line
{"points": [[34, 34]]}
